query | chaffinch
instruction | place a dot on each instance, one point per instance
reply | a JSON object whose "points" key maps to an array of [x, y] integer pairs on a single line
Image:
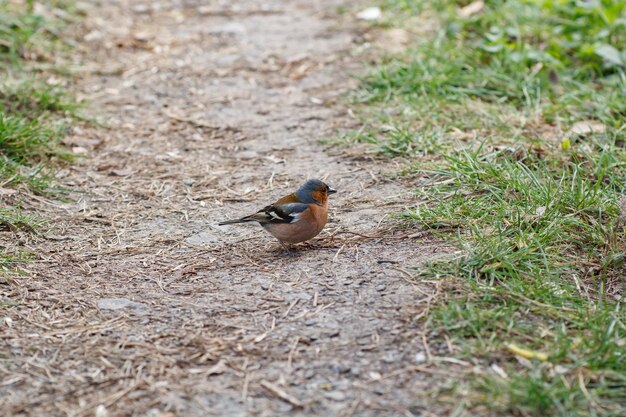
{"points": [[296, 217]]}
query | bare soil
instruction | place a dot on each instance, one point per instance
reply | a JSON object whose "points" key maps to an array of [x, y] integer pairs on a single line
{"points": [[140, 305]]}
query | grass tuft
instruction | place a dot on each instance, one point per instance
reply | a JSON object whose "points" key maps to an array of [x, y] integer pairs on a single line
{"points": [[514, 119], [33, 112]]}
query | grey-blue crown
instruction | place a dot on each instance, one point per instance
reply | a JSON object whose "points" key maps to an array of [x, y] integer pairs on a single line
{"points": [[304, 192]]}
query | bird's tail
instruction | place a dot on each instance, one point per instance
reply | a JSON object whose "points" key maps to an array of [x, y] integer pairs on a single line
{"points": [[242, 220]]}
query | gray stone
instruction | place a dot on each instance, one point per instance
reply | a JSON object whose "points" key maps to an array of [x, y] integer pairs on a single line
{"points": [[201, 238], [335, 395], [244, 155], [228, 29], [302, 296], [122, 304]]}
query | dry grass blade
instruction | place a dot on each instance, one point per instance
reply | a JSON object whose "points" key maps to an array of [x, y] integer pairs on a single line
{"points": [[281, 393]]}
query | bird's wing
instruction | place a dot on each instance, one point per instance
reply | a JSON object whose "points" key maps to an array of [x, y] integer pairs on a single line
{"points": [[290, 198], [283, 213]]}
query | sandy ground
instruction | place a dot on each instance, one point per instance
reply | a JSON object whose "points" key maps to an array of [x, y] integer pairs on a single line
{"points": [[140, 305]]}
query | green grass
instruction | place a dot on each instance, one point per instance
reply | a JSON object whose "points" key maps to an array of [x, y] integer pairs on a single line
{"points": [[541, 63], [13, 219], [25, 141], [35, 109], [482, 111], [34, 37], [33, 105], [33, 119], [29, 96]]}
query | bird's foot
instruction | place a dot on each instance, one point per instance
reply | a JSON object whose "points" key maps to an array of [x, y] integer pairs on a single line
{"points": [[311, 245], [287, 249]]}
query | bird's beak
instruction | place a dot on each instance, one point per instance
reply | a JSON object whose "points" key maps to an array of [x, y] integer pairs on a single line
{"points": [[331, 190]]}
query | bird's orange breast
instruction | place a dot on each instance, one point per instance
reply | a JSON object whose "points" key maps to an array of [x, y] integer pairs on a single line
{"points": [[309, 225]]}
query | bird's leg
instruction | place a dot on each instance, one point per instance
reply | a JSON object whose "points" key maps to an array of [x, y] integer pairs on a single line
{"points": [[286, 248], [289, 249], [311, 245]]}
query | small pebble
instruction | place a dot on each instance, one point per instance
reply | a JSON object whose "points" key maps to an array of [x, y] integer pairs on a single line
{"points": [[376, 376], [122, 303], [335, 395], [389, 358], [339, 368], [201, 238], [101, 411], [244, 155], [302, 296]]}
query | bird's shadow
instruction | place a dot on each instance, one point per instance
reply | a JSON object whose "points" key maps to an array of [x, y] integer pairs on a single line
{"points": [[298, 249]]}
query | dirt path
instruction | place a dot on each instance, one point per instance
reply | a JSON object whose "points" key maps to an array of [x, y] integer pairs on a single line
{"points": [[213, 111]]}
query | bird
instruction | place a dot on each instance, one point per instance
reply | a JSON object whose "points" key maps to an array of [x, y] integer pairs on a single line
{"points": [[296, 217]]}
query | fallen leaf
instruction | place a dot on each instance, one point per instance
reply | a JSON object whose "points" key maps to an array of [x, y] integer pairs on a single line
{"points": [[587, 127], [394, 40], [472, 9], [458, 134], [371, 13], [559, 369], [526, 353], [7, 191], [121, 172], [79, 150], [498, 370], [217, 369]]}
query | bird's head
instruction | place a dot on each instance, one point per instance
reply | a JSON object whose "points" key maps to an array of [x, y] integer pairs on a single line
{"points": [[314, 192]]}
